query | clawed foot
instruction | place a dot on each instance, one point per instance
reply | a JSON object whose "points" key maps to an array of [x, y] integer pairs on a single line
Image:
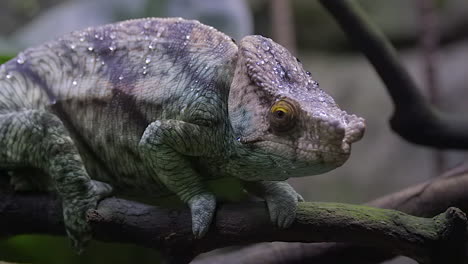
{"points": [[202, 207], [74, 212], [282, 206]]}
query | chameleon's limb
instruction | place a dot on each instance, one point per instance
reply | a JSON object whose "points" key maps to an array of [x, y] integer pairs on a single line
{"points": [[39, 140], [281, 200], [166, 144], [202, 206]]}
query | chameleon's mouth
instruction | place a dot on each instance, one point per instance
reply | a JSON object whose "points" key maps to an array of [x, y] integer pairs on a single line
{"points": [[305, 162], [280, 161], [329, 157], [306, 155]]}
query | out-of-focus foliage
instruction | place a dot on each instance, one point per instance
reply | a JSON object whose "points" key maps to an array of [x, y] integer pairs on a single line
{"points": [[4, 58], [56, 250]]}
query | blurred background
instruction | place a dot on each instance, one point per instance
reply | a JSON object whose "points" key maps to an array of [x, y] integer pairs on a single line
{"points": [[431, 36]]}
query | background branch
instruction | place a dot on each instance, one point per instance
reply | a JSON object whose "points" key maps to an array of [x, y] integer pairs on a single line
{"points": [[429, 42], [414, 118], [169, 230]]}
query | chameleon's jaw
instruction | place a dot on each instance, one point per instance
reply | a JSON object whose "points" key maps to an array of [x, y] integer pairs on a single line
{"points": [[324, 146]]}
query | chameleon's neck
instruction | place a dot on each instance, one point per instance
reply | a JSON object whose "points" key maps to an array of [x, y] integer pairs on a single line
{"points": [[247, 163]]}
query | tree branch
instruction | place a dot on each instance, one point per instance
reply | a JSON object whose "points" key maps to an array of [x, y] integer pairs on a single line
{"points": [[414, 118], [118, 220], [426, 199]]}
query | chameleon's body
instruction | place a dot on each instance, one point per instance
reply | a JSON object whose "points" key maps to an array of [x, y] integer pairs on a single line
{"points": [[154, 106]]}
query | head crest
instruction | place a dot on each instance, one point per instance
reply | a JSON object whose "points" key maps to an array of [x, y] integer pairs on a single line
{"points": [[273, 68]]}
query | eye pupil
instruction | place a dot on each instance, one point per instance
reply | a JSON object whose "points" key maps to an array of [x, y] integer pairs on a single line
{"points": [[280, 113]]}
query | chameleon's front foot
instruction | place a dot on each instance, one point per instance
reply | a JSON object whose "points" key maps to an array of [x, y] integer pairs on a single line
{"points": [[202, 207], [74, 212], [281, 200], [282, 206]]}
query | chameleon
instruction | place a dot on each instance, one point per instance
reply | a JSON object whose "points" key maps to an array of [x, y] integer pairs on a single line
{"points": [[156, 106]]}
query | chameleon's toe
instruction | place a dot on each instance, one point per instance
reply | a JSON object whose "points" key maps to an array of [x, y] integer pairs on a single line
{"points": [[101, 189], [282, 208], [76, 226], [202, 207], [74, 212], [79, 239]]}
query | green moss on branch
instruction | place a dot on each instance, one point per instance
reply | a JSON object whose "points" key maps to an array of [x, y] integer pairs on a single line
{"points": [[427, 240]]}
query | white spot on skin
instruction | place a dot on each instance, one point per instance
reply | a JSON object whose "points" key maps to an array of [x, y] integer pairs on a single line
{"points": [[148, 60], [74, 83], [160, 32], [121, 77], [8, 76], [20, 59], [90, 48], [112, 35]]}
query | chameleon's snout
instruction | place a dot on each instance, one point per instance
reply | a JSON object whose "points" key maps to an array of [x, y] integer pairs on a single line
{"points": [[354, 130], [337, 135], [355, 127]]}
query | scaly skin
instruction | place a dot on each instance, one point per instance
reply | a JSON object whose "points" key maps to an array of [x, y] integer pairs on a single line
{"points": [[157, 106]]}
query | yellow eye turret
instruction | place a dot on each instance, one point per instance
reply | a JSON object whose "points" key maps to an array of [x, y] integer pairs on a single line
{"points": [[283, 116]]}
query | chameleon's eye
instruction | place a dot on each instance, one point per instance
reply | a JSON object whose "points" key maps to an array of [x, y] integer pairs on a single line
{"points": [[283, 116]]}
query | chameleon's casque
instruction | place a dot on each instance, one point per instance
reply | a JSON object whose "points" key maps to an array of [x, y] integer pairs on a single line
{"points": [[157, 106]]}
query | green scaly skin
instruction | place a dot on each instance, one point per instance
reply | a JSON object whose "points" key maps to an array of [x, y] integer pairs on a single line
{"points": [[158, 106]]}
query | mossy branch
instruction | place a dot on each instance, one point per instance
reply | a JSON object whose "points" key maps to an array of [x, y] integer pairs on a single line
{"points": [[424, 239], [425, 200]]}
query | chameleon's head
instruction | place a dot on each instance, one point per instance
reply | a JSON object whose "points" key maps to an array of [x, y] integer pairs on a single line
{"points": [[277, 110]]}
